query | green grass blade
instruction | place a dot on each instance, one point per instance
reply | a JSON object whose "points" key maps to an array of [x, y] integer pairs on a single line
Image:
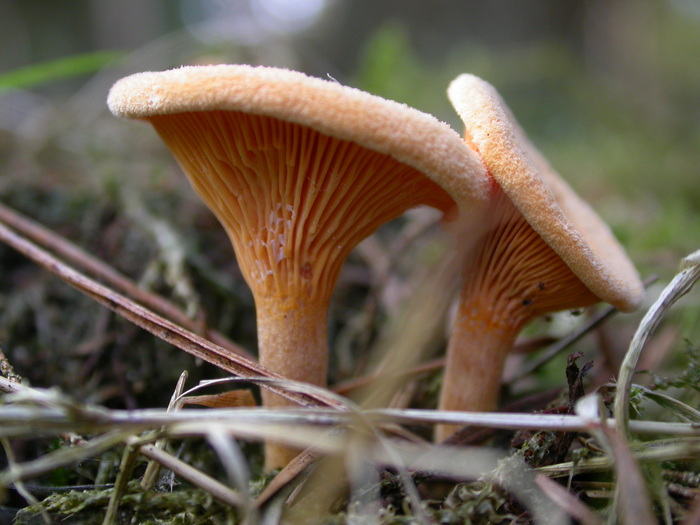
{"points": [[49, 71]]}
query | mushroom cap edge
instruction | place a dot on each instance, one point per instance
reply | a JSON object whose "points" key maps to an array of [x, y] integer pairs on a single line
{"points": [[388, 127], [565, 222]]}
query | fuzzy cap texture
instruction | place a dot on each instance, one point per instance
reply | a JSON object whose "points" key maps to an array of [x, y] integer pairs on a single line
{"points": [[410, 136], [565, 222]]}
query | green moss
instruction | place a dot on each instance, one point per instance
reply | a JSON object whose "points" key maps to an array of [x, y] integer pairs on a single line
{"points": [[181, 507]]}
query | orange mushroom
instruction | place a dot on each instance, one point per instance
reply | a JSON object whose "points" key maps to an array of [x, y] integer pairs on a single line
{"points": [[298, 171], [542, 250]]}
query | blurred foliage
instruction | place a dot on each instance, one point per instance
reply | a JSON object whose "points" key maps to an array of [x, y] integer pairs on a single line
{"points": [[632, 151], [632, 154]]}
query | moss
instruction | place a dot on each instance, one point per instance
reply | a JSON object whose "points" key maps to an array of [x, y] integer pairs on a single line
{"points": [[180, 507]]}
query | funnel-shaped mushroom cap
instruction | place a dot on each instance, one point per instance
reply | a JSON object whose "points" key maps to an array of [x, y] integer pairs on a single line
{"points": [[566, 223], [410, 136], [298, 171]]}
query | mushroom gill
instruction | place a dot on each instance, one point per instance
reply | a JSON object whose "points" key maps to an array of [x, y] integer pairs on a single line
{"points": [[294, 203]]}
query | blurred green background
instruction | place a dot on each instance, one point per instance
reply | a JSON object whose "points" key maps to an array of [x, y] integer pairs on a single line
{"points": [[609, 90]]}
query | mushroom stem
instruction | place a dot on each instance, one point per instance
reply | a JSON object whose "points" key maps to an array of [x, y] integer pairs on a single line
{"points": [[512, 276], [292, 341], [476, 355]]}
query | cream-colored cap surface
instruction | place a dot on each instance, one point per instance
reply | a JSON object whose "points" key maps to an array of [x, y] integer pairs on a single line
{"points": [[410, 136], [565, 222]]}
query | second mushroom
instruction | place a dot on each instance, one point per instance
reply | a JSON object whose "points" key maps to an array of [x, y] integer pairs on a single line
{"points": [[541, 249]]}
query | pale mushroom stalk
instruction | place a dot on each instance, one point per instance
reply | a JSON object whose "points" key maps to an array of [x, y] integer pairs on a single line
{"points": [[298, 171], [511, 277], [542, 250]]}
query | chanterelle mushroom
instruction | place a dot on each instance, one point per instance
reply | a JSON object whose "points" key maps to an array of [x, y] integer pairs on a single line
{"points": [[298, 170], [542, 250]]}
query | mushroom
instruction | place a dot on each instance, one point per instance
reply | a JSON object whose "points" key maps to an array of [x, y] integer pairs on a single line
{"points": [[542, 250], [298, 170]]}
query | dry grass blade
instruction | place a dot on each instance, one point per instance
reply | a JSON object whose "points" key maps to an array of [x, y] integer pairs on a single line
{"points": [[631, 494], [287, 476], [162, 328], [194, 476], [409, 336], [355, 470], [674, 406], [518, 421], [232, 398], [678, 287], [632, 501], [562, 344], [471, 463], [102, 271], [48, 413], [693, 516], [658, 451], [234, 463], [346, 387], [153, 468], [567, 501], [62, 457], [66, 456], [21, 489], [126, 470]]}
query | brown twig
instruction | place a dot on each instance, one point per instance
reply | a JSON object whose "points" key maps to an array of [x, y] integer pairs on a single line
{"points": [[346, 387], [162, 328], [79, 258], [353, 384]]}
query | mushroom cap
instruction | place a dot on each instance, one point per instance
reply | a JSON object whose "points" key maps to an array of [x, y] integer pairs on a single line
{"points": [[565, 222], [408, 135]]}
